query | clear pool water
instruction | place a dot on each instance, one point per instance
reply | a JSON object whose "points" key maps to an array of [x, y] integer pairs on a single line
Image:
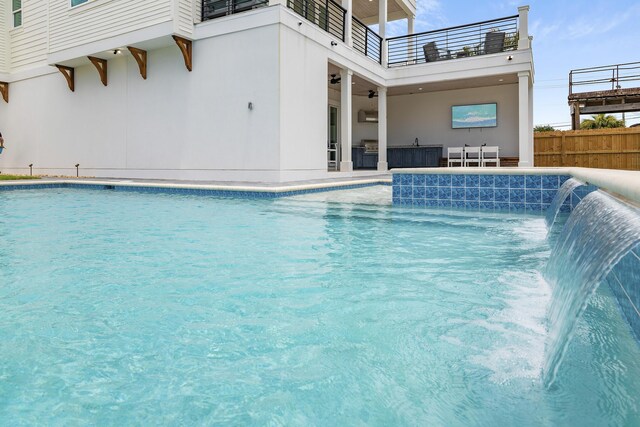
{"points": [[124, 308]]}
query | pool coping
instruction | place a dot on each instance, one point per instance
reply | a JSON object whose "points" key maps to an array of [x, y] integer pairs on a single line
{"points": [[624, 183], [282, 190]]}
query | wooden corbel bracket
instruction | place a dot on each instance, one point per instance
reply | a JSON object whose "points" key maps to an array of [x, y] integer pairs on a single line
{"points": [[101, 66], [69, 74], [186, 47], [141, 58]]}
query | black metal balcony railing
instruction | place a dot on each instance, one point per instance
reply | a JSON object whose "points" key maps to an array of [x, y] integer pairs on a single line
{"points": [[481, 38], [605, 78], [326, 14], [212, 9], [366, 41]]}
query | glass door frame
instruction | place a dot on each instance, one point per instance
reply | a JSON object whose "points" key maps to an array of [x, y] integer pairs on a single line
{"points": [[336, 147]]}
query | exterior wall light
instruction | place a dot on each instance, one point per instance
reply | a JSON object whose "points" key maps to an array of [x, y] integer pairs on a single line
{"points": [[250, 106], [333, 43]]}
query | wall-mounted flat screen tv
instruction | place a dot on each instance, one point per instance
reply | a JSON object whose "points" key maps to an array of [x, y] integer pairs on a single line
{"points": [[474, 116]]}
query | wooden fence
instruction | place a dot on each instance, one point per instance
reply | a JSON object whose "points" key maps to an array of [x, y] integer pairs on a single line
{"points": [[601, 148]]}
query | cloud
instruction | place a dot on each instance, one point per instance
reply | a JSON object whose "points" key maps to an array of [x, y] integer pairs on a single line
{"points": [[429, 16], [594, 23], [541, 31]]}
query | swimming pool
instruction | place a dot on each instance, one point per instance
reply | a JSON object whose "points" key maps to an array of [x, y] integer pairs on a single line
{"points": [[127, 308]]}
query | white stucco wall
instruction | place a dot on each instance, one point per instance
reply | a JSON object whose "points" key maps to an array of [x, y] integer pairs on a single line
{"points": [[175, 124], [303, 106], [428, 118]]}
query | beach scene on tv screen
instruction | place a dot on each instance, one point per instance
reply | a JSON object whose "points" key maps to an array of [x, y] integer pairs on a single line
{"points": [[473, 116]]}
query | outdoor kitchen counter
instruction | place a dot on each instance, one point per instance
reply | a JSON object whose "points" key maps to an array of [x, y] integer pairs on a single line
{"points": [[408, 156]]}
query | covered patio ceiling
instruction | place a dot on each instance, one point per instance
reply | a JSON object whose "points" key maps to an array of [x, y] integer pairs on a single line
{"points": [[499, 80], [367, 11], [361, 86]]}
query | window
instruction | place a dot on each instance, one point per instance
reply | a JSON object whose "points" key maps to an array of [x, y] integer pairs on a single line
{"points": [[16, 9], [77, 2]]}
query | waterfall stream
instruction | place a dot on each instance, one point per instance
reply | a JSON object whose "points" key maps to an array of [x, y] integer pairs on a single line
{"points": [[599, 232], [563, 192]]}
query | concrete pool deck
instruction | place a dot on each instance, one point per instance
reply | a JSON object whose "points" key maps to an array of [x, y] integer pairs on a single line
{"points": [[266, 188]]}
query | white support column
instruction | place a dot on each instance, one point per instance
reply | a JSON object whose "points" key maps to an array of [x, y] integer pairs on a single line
{"points": [[531, 140], [382, 129], [525, 131], [523, 34], [346, 119], [348, 21], [411, 46], [382, 28]]}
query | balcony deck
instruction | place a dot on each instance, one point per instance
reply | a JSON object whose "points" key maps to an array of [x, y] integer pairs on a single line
{"points": [[212, 9], [480, 38], [463, 41], [601, 90]]}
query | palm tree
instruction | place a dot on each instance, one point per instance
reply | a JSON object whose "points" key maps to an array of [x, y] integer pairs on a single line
{"points": [[601, 121]]}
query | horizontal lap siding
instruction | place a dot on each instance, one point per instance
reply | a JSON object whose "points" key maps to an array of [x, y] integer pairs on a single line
{"points": [[4, 37], [605, 148], [73, 27], [29, 43], [185, 16], [198, 11]]}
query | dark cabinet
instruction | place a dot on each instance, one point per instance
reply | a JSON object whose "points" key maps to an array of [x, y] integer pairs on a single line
{"points": [[399, 157], [394, 157]]}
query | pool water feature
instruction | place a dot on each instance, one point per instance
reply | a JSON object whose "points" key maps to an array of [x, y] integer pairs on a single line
{"points": [[124, 308], [598, 234], [564, 192]]}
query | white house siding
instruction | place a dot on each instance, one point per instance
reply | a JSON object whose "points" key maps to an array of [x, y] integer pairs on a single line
{"points": [[176, 124], [185, 16], [100, 19], [4, 37], [198, 11], [29, 42]]}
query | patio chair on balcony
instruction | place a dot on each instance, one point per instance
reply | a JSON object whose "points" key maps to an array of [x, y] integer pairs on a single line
{"points": [[494, 42], [431, 53]]}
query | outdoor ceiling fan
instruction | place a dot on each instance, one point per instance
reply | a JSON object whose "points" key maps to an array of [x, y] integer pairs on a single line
{"points": [[372, 93], [335, 79]]}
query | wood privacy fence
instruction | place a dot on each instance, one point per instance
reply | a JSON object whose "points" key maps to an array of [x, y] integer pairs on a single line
{"points": [[601, 148]]}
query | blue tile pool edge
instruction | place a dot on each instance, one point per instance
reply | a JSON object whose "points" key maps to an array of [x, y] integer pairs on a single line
{"points": [[517, 193]]}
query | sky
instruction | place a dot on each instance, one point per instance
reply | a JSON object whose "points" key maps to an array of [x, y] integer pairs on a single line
{"points": [[567, 34]]}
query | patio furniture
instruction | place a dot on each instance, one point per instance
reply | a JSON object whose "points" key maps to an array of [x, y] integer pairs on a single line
{"points": [[455, 155], [494, 42], [332, 156], [431, 53], [472, 155], [490, 154]]}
